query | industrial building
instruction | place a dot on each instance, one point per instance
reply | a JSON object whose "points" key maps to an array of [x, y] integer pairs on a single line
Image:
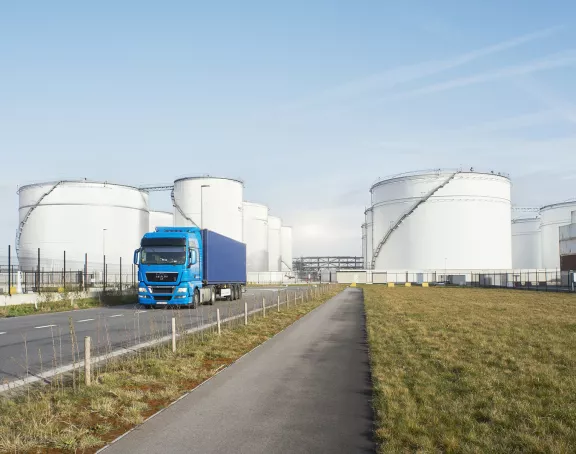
{"points": [[568, 245], [91, 222]]}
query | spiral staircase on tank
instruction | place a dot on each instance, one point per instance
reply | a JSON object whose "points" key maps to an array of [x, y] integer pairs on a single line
{"points": [[32, 208], [175, 205], [406, 215]]}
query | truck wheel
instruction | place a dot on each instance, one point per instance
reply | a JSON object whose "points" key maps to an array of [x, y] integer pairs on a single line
{"points": [[235, 292], [212, 296], [196, 302]]}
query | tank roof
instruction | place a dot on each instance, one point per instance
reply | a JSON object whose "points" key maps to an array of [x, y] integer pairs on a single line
{"points": [[520, 220], [53, 183], [254, 203], [209, 177], [418, 173], [566, 203]]}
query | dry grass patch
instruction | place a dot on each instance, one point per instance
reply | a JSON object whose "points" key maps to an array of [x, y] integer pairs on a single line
{"points": [[129, 390], [472, 370]]}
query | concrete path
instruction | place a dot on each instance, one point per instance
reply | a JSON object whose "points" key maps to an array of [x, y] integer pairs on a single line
{"points": [[307, 390]]}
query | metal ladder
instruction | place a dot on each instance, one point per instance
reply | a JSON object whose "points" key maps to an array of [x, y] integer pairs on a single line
{"points": [[175, 205], [408, 213], [32, 208]]}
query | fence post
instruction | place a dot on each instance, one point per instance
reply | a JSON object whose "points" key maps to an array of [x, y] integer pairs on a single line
{"points": [[85, 272], [174, 334], [263, 307], [87, 361], [218, 320], [38, 274], [64, 277], [9, 271], [278, 302], [245, 312]]}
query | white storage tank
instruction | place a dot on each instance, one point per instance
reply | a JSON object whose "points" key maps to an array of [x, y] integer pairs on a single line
{"points": [[552, 217], [256, 236], [160, 219], [80, 217], [369, 243], [526, 247], [274, 245], [211, 203], [286, 248], [442, 218]]}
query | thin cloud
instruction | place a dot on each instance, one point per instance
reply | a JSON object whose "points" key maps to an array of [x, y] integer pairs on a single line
{"points": [[549, 99], [560, 60], [391, 78]]}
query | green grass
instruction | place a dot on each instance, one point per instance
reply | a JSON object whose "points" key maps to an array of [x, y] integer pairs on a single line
{"points": [[472, 371], [48, 304], [59, 418]]}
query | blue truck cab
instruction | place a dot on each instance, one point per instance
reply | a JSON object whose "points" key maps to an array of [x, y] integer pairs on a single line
{"points": [[189, 266]]}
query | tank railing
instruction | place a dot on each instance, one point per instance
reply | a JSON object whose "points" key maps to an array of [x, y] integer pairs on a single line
{"points": [[32, 208], [175, 204], [408, 213], [440, 171]]}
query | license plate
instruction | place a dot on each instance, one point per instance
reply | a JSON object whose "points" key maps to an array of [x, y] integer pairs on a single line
{"points": [[161, 302], [225, 292]]}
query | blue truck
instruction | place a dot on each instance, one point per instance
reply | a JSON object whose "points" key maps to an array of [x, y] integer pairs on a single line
{"points": [[189, 266]]}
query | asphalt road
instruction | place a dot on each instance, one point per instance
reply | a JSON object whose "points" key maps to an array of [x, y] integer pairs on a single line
{"points": [[43, 341], [307, 390]]}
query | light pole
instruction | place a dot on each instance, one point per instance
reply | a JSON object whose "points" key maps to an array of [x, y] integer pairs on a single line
{"points": [[104, 242], [202, 205], [445, 270], [104, 258]]}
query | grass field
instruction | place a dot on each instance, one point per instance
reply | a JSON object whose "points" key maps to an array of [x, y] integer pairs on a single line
{"points": [[47, 305], [62, 418], [473, 370]]}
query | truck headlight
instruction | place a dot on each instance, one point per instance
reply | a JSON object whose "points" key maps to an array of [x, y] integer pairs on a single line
{"points": [[142, 290], [182, 290]]}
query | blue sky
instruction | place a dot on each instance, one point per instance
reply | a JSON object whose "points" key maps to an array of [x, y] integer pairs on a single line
{"points": [[308, 102]]}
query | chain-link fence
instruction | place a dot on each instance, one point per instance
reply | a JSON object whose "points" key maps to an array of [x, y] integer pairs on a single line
{"points": [[50, 274], [540, 280]]}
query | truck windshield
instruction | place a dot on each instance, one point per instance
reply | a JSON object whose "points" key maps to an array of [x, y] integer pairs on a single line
{"points": [[163, 255]]}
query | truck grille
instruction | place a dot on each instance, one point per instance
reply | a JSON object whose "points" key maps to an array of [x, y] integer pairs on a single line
{"points": [[162, 277], [162, 297], [166, 290]]}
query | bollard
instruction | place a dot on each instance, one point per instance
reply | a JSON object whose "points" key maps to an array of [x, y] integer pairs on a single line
{"points": [[218, 320], [87, 361], [173, 335], [245, 313], [263, 307], [278, 303]]}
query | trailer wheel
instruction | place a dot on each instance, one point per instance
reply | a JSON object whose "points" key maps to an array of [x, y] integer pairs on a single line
{"points": [[212, 296], [235, 291], [196, 302]]}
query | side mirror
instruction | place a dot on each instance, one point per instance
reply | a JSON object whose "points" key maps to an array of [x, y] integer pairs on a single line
{"points": [[193, 256], [136, 254]]}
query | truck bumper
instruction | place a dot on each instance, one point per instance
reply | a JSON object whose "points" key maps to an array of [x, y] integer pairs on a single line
{"points": [[149, 300]]}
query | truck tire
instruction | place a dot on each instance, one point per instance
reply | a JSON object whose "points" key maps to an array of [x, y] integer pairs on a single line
{"points": [[212, 296], [196, 302], [235, 292]]}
